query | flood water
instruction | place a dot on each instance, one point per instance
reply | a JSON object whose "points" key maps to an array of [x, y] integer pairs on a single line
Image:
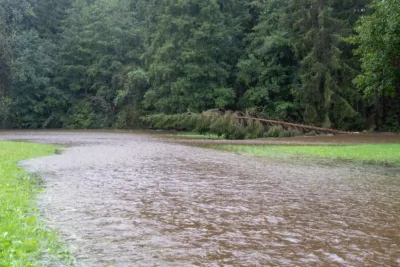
{"points": [[138, 200]]}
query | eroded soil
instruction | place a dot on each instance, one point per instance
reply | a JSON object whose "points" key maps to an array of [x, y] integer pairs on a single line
{"points": [[138, 200]]}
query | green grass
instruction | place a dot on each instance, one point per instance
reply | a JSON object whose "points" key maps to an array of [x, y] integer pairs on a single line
{"points": [[24, 239], [197, 135], [371, 153]]}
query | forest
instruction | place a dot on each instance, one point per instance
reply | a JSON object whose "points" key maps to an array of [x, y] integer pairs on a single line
{"points": [[96, 64]]}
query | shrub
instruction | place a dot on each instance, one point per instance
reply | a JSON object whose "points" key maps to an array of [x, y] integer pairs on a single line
{"points": [[274, 131]]}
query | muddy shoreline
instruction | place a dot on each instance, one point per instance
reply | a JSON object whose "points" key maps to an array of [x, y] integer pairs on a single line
{"points": [[138, 199]]}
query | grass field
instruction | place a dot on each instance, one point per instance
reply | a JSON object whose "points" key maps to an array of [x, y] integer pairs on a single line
{"points": [[24, 240], [371, 153]]}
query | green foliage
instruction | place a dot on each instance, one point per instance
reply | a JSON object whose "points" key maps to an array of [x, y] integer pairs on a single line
{"points": [[49, 15], [326, 91], [35, 99], [23, 237], [29, 63], [278, 131], [5, 60], [254, 129], [274, 131], [100, 54], [224, 97], [80, 116], [193, 48], [268, 70], [284, 59], [208, 122], [231, 125], [5, 110], [286, 133], [378, 42], [312, 133]]}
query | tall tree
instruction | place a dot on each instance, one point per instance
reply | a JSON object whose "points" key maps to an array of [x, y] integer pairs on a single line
{"points": [[193, 50], [326, 92], [268, 71], [49, 15], [35, 99], [30, 97], [5, 58], [101, 63], [100, 53], [5, 76], [379, 49]]}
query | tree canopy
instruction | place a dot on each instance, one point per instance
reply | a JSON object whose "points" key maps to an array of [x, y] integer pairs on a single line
{"points": [[107, 63]]}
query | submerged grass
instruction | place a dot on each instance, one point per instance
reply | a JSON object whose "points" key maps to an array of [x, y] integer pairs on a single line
{"points": [[24, 240], [372, 153]]}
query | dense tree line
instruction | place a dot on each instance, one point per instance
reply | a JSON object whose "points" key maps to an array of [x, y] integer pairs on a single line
{"points": [[106, 63]]}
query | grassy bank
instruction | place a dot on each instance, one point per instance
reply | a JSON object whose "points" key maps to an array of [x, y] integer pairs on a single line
{"points": [[24, 240], [371, 153]]}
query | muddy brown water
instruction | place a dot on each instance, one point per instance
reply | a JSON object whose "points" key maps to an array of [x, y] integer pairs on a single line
{"points": [[138, 200]]}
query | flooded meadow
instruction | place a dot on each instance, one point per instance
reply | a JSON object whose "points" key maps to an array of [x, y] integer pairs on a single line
{"points": [[137, 199]]}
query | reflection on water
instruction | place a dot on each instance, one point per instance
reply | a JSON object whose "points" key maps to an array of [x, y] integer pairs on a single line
{"points": [[134, 200]]}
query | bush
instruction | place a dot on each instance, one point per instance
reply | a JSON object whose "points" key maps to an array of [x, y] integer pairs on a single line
{"points": [[312, 133], [274, 131], [80, 116], [286, 133]]}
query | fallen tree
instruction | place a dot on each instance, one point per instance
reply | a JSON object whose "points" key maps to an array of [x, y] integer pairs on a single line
{"points": [[232, 125]]}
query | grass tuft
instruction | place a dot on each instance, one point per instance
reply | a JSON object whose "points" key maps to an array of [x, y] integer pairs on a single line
{"points": [[24, 240]]}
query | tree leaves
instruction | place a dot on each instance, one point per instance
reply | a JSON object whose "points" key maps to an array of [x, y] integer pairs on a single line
{"points": [[105, 63], [379, 49]]}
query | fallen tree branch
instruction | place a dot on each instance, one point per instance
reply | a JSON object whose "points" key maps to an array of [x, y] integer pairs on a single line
{"points": [[232, 125], [295, 125]]}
